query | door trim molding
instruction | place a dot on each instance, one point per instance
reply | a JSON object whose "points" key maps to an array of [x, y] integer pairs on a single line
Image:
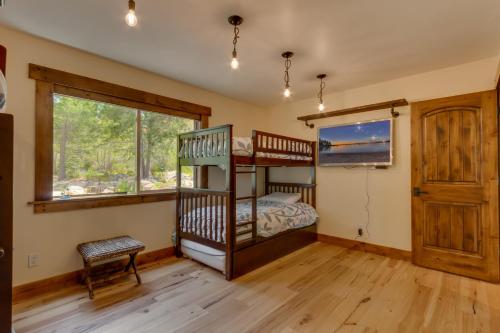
{"points": [[498, 94]]}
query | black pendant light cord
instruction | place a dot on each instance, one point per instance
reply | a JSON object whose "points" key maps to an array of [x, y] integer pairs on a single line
{"points": [[235, 40], [322, 86], [235, 21], [288, 64]]}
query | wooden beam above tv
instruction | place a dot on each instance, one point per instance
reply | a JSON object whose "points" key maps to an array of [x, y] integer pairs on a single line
{"points": [[358, 109]]}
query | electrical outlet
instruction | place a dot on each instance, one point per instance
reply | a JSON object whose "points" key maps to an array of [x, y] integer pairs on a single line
{"points": [[33, 260]]}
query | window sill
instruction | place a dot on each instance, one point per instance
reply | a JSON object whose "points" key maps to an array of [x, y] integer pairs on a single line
{"points": [[52, 206]]}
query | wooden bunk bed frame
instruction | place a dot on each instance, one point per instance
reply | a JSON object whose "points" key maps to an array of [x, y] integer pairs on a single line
{"points": [[213, 147]]}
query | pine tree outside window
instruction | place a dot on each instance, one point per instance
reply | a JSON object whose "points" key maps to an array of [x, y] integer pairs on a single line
{"points": [[107, 149]]}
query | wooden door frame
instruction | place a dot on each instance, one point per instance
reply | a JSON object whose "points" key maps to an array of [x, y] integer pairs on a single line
{"points": [[6, 215], [491, 257], [6, 209], [498, 93]]}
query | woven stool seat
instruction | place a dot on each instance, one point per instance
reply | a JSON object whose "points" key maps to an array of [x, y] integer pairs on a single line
{"points": [[109, 248]]}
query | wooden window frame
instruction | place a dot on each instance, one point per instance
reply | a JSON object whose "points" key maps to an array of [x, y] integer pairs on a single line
{"points": [[498, 94], [51, 81]]}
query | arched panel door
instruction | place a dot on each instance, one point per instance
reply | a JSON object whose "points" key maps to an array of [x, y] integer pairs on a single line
{"points": [[455, 185]]}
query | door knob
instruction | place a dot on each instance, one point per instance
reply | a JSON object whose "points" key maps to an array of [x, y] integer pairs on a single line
{"points": [[417, 191], [2, 252]]}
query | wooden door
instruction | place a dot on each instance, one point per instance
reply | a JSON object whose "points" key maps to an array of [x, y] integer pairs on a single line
{"points": [[455, 185], [6, 121], [6, 152]]}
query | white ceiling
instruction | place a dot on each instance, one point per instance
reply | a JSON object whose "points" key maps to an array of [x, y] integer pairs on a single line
{"points": [[357, 42]]}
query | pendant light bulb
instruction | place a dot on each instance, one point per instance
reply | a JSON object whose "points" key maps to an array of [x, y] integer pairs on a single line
{"points": [[321, 107], [131, 18], [235, 63], [287, 92]]}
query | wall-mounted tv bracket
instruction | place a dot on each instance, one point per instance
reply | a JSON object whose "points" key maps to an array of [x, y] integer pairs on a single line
{"points": [[309, 125], [394, 114]]}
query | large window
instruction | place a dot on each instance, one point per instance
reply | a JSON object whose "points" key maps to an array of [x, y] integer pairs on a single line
{"points": [[95, 149], [158, 151], [99, 144]]}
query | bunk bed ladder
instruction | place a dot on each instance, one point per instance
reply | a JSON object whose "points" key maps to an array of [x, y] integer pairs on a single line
{"points": [[253, 197], [254, 202]]}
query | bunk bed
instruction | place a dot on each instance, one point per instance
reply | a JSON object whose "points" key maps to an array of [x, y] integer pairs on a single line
{"points": [[224, 231]]}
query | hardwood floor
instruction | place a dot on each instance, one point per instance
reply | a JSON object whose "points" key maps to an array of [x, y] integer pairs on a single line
{"points": [[321, 288]]}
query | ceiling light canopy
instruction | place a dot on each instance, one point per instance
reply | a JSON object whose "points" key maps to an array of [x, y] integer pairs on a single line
{"points": [[235, 21], [288, 63], [322, 85], [131, 18]]}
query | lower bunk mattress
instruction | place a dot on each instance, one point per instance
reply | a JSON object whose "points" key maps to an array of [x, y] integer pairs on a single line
{"points": [[204, 254], [272, 218]]}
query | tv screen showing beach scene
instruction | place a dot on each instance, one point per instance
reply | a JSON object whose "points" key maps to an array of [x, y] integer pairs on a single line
{"points": [[362, 143]]}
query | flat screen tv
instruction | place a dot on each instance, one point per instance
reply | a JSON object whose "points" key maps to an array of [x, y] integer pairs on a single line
{"points": [[361, 143]]}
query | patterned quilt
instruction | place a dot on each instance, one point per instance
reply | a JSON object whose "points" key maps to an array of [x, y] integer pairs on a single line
{"points": [[272, 218]]}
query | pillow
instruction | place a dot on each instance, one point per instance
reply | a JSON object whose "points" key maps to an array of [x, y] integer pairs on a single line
{"points": [[242, 146], [285, 198]]}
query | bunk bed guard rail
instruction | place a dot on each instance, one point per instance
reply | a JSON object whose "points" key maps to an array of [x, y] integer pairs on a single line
{"points": [[204, 215], [211, 146], [270, 143]]}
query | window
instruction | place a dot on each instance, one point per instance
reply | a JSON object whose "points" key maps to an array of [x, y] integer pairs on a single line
{"points": [[95, 149], [158, 151], [99, 144]]}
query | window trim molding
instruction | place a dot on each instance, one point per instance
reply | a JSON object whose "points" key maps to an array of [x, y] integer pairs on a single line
{"points": [[60, 205], [51, 81], [65, 79], [498, 92]]}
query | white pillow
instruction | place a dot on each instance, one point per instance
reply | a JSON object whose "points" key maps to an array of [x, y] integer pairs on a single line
{"points": [[285, 198], [242, 146]]}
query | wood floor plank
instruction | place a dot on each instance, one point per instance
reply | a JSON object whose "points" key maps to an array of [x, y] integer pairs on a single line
{"points": [[321, 288]]}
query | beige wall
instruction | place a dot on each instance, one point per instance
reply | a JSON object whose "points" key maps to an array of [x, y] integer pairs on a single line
{"points": [[342, 192], [54, 236]]}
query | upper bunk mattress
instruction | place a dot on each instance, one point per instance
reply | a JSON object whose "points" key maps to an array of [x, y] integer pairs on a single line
{"points": [[272, 218], [243, 146]]}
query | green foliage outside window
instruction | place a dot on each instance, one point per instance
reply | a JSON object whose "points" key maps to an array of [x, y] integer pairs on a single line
{"points": [[95, 148]]}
